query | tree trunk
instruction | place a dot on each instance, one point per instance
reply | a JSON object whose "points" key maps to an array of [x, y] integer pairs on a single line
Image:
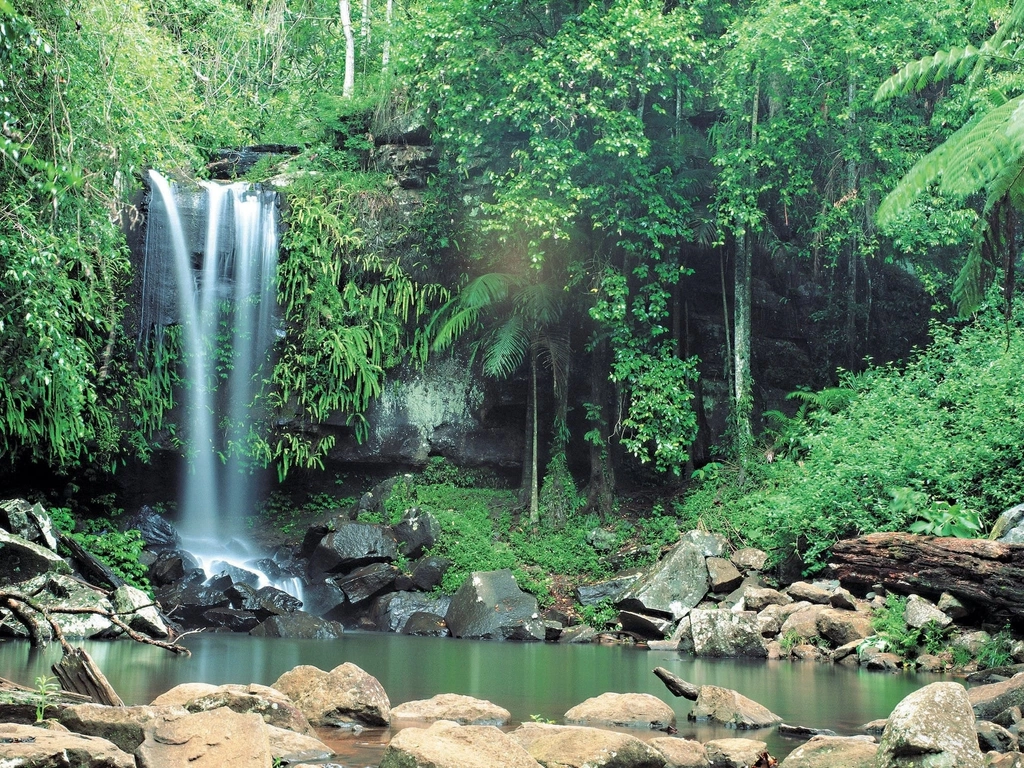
{"points": [[534, 447], [78, 673], [385, 58], [742, 383], [986, 574], [349, 87], [601, 487]]}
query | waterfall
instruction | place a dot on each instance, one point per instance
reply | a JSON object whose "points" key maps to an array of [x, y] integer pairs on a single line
{"points": [[210, 265]]}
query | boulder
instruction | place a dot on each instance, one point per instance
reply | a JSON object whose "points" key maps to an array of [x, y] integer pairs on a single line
{"points": [[124, 727], [749, 559], [138, 611], [681, 753], [995, 738], [726, 633], [952, 607], [578, 635], [844, 600], [734, 753], [833, 752], [722, 574], [731, 708], [391, 612], [580, 747], [647, 627], [216, 739], [416, 532], [363, 583], [29, 521], [448, 745], [56, 591], [626, 710], [464, 710], [423, 624], [172, 566], [288, 747], [345, 696], [232, 619], [812, 593], [987, 701], [757, 599], [156, 531], [490, 605], [709, 544], [429, 572], [840, 627], [19, 705], [298, 626], [1009, 526], [804, 622], [932, 728], [180, 695], [269, 703], [188, 601], [879, 661], [352, 545], [32, 747], [674, 585], [972, 642], [592, 594], [21, 560], [919, 612]]}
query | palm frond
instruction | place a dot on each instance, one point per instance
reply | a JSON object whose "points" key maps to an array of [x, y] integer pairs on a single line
{"points": [[541, 302], [506, 349], [969, 287], [555, 351]]}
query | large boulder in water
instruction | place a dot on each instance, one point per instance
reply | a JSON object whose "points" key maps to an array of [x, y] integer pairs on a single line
{"points": [[726, 633], [391, 612], [490, 605], [730, 708], [56, 591], [363, 583], [681, 753], [137, 609], [27, 745], [931, 728], [216, 739], [352, 545], [574, 746], [624, 710], [298, 626], [675, 584], [464, 710], [172, 565], [448, 745], [345, 696]]}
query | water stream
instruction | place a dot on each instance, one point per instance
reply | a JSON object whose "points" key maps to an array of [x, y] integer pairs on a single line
{"points": [[527, 679]]}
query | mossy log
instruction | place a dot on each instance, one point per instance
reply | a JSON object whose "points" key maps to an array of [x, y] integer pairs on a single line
{"points": [[989, 574]]}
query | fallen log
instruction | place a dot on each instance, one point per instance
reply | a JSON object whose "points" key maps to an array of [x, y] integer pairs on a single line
{"points": [[676, 685], [989, 574]]}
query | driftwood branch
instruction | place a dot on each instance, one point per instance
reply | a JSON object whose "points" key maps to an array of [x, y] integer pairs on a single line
{"points": [[676, 685], [7, 598]]}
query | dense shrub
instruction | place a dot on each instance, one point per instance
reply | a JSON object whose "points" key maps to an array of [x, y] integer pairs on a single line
{"points": [[947, 426]]}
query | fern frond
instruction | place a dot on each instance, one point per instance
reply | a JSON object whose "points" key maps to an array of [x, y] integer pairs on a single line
{"points": [[488, 289], [831, 399], [969, 286], [930, 69], [971, 158], [506, 349]]}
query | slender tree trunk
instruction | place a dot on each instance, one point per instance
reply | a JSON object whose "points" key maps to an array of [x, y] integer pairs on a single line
{"points": [[851, 263], [534, 441], [348, 89], [385, 59], [742, 382], [364, 26], [601, 488]]}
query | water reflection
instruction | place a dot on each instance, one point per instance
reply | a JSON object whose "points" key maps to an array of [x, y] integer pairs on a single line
{"points": [[527, 679]]}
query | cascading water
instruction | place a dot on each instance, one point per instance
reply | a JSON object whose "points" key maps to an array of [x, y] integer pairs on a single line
{"points": [[217, 277]]}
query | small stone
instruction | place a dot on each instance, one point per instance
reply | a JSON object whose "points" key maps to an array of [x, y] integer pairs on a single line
{"points": [[807, 652], [972, 642], [759, 599], [681, 753], [843, 599], [722, 574], [734, 753], [464, 710], [710, 544], [926, 662], [995, 738], [812, 593], [628, 710], [920, 612], [749, 559], [952, 607]]}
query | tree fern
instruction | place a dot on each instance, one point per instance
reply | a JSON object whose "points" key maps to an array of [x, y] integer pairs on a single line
{"points": [[955, 62]]}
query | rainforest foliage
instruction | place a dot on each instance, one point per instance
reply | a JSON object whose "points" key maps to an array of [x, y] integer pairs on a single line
{"points": [[593, 156]]}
